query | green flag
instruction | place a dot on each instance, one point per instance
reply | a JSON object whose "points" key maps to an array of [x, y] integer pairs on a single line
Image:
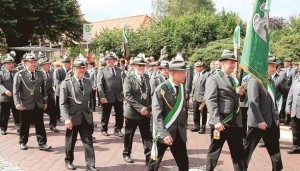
{"points": [[125, 48], [254, 59]]}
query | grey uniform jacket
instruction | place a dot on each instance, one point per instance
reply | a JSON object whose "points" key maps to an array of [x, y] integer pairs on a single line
{"points": [[110, 86], [220, 98], [160, 109], [261, 106], [6, 83], [280, 85], [154, 82], [49, 83], [189, 79], [133, 101], [22, 87], [293, 100], [74, 103], [199, 86], [58, 76]]}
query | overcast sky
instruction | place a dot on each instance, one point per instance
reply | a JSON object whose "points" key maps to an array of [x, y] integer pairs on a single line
{"points": [[97, 10]]}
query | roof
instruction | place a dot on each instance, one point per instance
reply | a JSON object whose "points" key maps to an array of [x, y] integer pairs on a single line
{"points": [[133, 22]]}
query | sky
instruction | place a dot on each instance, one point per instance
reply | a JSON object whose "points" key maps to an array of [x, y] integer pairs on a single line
{"points": [[97, 10]]}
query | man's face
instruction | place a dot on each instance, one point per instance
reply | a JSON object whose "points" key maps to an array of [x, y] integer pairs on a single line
{"points": [[139, 68], [155, 68], [110, 62], [31, 65], [79, 72], [66, 65], [286, 64], [9, 66], [271, 69], [228, 66], [164, 72], [178, 76], [217, 64], [46, 67], [199, 68]]}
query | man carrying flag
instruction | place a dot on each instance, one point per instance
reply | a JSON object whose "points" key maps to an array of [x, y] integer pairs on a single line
{"points": [[262, 118], [169, 115], [221, 93]]}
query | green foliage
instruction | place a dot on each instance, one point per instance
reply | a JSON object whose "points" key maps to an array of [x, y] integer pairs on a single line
{"points": [[185, 33], [31, 21], [288, 45], [295, 23], [212, 51], [177, 8], [74, 51]]}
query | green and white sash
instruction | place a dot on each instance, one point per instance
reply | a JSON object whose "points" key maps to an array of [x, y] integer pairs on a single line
{"points": [[175, 111], [168, 120], [271, 91]]}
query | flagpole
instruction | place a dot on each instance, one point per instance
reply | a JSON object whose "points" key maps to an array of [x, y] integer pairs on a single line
{"points": [[237, 47]]}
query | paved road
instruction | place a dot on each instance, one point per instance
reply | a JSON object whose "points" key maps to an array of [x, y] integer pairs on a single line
{"points": [[108, 152]]}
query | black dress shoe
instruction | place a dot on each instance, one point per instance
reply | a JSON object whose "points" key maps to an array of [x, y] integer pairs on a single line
{"points": [[194, 129], [91, 168], [294, 151], [104, 133], [128, 159], [23, 147], [118, 133], [45, 147], [3, 132], [53, 129], [70, 166], [201, 132]]}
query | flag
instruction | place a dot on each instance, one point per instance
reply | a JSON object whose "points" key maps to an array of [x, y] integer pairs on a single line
{"points": [[254, 60], [124, 47], [237, 37]]}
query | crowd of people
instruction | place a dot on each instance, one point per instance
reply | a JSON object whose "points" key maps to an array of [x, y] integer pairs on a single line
{"points": [[154, 96]]}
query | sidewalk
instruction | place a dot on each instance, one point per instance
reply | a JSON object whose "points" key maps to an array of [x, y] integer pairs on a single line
{"points": [[108, 152]]}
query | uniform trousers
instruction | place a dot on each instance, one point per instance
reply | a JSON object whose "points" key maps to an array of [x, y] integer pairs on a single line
{"points": [[233, 135], [244, 111], [5, 108], [53, 113], [198, 114], [271, 140], [119, 117], [36, 117], [130, 128], [178, 150], [85, 131], [57, 106], [296, 132]]}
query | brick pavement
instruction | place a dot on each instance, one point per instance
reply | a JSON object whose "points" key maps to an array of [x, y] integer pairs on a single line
{"points": [[108, 152]]}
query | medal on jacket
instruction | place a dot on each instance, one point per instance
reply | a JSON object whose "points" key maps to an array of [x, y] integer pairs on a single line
{"points": [[144, 95], [31, 93]]}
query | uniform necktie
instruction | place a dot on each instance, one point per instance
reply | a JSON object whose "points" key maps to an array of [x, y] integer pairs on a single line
{"points": [[81, 85], [143, 84], [47, 74], [113, 71], [32, 76], [231, 81], [177, 89], [11, 75]]}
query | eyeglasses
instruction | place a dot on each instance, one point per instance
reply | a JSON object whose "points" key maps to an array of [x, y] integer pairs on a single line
{"points": [[141, 65]]}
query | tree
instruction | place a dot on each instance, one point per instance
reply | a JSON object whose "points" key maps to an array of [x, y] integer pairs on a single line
{"points": [[178, 8], [212, 51], [36, 21]]}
